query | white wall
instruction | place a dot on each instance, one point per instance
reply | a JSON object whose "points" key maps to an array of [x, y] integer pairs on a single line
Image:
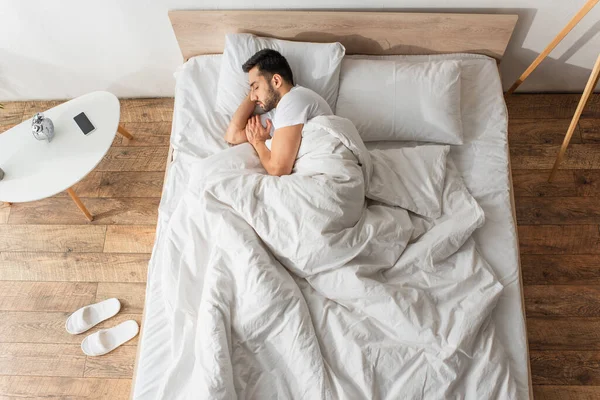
{"points": [[62, 49]]}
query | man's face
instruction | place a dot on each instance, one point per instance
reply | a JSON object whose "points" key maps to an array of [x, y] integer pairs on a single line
{"points": [[262, 91]]}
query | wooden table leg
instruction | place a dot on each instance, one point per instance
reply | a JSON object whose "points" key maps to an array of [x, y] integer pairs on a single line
{"points": [[589, 88], [561, 35], [80, 204], [124, 132]]}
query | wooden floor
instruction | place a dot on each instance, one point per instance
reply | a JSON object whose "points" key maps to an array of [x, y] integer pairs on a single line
{"points": [[52, 261]]}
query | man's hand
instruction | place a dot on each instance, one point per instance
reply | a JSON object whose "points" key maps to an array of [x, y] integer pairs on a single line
{"points": [[255, 132]]}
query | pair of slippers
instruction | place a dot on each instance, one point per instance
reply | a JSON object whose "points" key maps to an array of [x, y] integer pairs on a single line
{"points": [[105, 340]]}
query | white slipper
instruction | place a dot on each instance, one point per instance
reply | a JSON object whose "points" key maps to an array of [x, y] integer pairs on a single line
{"points": [[106, 340], [89, 316]]}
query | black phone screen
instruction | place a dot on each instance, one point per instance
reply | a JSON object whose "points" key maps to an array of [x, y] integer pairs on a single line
{"points": [[84, 123]]}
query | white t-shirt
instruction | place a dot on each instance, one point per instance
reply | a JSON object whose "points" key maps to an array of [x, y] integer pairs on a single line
{"points": [[298, 106]]}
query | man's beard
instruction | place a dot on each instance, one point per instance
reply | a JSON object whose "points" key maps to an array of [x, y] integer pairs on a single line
{"points": [[271, 100]]}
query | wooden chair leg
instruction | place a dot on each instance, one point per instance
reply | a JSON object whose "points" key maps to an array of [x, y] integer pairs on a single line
{"points": [[124, 132], [80, 204], [589, 88], [574, 21]]}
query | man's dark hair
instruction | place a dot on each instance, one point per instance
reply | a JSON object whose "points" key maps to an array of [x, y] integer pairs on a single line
{"points": [[270, 62]]}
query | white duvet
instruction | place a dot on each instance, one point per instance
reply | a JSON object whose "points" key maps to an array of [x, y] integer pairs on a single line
{"points": [[353, 278]]}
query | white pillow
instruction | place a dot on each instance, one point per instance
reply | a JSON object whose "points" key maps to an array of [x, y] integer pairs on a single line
{"points": [[394, 100], [314, 65]]}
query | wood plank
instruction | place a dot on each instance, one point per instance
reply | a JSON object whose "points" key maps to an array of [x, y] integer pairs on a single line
{"points": [[560, 333], [129, 239], [134, 159], [145, 134], [542, 156], [542, 106], [562, 301], [565, 367], [590, 130], [4, 212], [52, 238], [11, 114], [73, 267], [41, 359], [131, 295], [566, 183], [359, 31], [62, 388], [142, 140], [540, 131], [55, 210], [87, 187], [554, 210], [154, 128], [46, 296], [34, 106], [559, 239], [147, 110], [548, 392], [116, 364], [49, 327], [541, 269], [131, 184]]}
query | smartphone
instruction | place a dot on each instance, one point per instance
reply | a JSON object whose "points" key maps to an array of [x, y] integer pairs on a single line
{"points": [[84, 123]]}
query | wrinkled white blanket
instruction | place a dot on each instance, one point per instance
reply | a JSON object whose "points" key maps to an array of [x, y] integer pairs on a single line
{"points": [[353, 278]]}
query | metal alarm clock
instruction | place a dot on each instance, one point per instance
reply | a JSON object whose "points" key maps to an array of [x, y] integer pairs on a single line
{"points": [[42, 127]]}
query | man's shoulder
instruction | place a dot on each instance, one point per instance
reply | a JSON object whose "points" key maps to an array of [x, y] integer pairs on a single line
{"points": [[302, 90], [303, 94]]}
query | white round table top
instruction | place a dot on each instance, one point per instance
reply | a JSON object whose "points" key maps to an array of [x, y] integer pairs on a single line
{"points": [[36, 169]]}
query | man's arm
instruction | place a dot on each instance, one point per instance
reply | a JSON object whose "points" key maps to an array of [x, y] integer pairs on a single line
{"points": [[236, 131], [284, 147]]}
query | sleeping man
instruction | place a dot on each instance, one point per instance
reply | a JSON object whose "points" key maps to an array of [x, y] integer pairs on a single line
{"points": [[288, 108]]}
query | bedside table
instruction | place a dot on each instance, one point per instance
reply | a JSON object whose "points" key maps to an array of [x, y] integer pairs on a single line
{"points": [[36, 169]]}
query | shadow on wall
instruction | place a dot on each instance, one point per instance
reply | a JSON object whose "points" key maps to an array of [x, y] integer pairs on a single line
{"points": [[555, 70], [40, 75], [56, 78], [7, 90], [140, 82]]}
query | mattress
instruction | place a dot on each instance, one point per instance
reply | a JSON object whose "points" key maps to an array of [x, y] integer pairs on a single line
{"points": [[482, 160]]}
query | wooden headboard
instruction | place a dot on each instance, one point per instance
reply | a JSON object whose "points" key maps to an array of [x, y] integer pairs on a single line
{"points": [[375, 33]]}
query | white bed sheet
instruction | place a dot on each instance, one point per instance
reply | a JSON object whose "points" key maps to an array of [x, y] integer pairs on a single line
{"points": [[482, 161]]}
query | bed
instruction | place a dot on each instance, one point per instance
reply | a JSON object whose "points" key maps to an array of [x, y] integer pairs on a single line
{"points": [[482, 161]]}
